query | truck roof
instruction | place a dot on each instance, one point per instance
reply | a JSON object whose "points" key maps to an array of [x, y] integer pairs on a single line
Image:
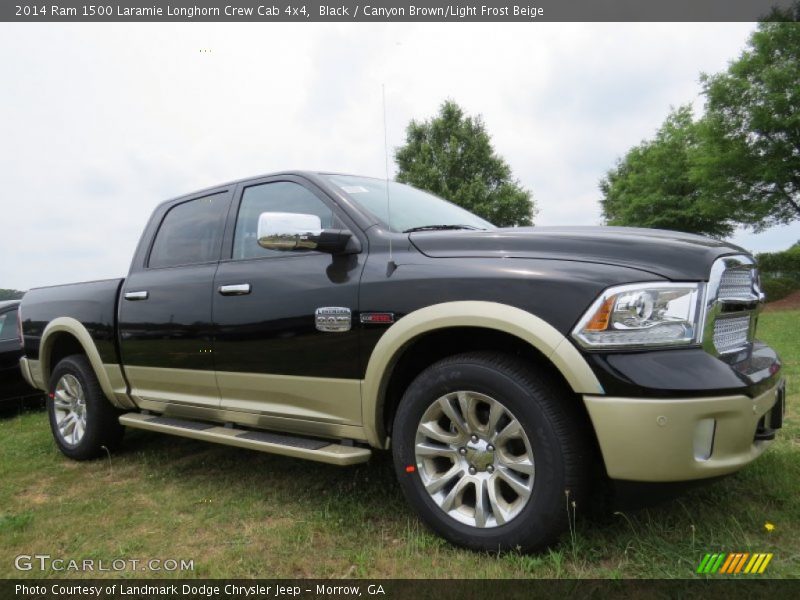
{"points": [[312, 175]]}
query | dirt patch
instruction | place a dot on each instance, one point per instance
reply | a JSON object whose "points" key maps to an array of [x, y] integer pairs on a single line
{"points": [[35, 498], [37, 493], [791, 302]]}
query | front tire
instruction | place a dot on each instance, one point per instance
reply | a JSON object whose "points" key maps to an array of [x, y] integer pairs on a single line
{"points": [[83, 422], [489, 453]]}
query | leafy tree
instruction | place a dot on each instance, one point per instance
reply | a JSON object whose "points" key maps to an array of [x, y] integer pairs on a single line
{"points": [[751, 131], [653, 185], [785, 263], [739, 163], [7, 294], [451, 156]]}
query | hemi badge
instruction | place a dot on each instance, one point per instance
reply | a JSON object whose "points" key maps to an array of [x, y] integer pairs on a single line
{"points": [[332, 318], [377, 318]]}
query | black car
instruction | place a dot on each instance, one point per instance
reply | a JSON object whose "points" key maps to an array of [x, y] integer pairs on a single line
{"points": [[13, 386]]}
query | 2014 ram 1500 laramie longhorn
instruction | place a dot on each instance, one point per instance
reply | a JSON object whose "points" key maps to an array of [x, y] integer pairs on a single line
{"points": [[302, 314]]}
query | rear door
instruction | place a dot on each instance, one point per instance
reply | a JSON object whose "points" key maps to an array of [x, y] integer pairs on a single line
{"points": [[165, 307], [271, 359]]}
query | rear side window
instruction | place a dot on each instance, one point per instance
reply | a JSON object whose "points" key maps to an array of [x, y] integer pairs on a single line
{"points": [[8, 325], [281, 196], [190, 233]]}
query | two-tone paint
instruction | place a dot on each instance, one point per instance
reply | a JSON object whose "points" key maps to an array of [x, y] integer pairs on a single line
{"points": [[167, 339]]}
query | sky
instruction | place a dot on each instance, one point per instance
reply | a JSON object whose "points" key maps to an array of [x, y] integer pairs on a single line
{"points": [[101, 122]]}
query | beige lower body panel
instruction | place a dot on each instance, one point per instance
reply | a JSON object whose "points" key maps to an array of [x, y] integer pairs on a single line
{"points": [[256, 420], [176, 386], [336, 401], [316, 406], [323, 399], [645, 439]]}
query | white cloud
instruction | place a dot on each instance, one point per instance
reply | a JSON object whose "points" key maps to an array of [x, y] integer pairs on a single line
{"points": [[100, 123]]}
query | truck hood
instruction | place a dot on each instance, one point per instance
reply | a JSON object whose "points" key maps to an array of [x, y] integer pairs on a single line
{"points": [[670, 254]]}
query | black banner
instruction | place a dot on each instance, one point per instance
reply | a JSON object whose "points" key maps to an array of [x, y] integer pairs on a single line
{"points": [[308, 589], [388, 10]]}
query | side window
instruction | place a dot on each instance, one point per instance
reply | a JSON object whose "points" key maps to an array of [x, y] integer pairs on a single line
{"points": [[281, 196], [8, 325], [190, 233]]}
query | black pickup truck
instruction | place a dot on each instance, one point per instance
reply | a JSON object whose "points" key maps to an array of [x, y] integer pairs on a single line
{"points": [[304, 314]]}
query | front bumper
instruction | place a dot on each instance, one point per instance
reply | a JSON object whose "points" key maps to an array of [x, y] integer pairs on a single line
{"points": [[656, 439]]}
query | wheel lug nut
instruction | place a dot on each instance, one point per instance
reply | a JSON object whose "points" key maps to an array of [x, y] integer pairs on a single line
{"points": [[490, 448], [462, 450], [474, 439], [472, 470], [490, 468]]}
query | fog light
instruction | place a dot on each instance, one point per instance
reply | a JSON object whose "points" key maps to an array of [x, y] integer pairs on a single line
{"points": [[704, 438]]}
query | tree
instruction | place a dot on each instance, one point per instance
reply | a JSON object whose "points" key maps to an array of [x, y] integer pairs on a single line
{"points": [[452, 156], [751, 129], [737, 165], [8, 294], [654, 186]]}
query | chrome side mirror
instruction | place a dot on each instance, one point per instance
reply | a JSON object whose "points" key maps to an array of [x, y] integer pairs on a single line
{"points": [[288, 231], [295, 231]]}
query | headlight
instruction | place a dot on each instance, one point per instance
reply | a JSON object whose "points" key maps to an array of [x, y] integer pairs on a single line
{"points": [[641, 314]]}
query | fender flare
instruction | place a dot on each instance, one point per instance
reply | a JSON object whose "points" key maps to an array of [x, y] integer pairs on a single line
{"points": [[104, 373], [488, 315]]}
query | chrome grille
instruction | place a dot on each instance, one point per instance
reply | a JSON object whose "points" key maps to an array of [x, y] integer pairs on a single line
{"points": [[731, 333], [736, 283], [733, 299]]}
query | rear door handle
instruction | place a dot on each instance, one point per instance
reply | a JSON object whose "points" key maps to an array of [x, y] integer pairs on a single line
{"points": [[143, 295], [235, 289]]}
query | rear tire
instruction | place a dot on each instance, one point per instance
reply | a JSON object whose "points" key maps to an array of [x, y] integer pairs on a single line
{"points": [[490, 454], [83, 422]]}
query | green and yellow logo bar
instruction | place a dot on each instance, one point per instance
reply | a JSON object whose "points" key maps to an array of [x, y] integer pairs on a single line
{"points": [[734, 563]]}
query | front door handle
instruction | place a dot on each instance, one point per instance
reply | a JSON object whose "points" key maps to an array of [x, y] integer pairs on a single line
{"points": [[235, 289], [142, 295]]}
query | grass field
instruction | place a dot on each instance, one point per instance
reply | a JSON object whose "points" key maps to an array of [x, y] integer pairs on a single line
{"points": [[244, 514]]}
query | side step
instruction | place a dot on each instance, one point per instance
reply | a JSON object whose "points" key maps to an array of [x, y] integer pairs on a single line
{"points": [[274, 443]]}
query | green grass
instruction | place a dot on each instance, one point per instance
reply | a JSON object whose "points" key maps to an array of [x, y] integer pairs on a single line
{"points": [[244, 514]]}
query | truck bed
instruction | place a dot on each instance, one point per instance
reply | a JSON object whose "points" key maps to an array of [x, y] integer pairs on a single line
{"points": [[92, 303]]}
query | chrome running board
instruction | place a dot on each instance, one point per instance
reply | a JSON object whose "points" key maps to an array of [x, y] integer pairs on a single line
{"points": [[263, 441]]}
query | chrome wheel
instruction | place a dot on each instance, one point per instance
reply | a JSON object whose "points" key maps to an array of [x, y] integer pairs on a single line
{"points": [[69, 405], [475, 459]]}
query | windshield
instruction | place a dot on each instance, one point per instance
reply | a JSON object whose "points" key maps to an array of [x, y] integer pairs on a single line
{"points": [[410, 208]]}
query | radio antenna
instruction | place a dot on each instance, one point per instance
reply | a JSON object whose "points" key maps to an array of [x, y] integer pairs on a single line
{"points": [[391, 266]]}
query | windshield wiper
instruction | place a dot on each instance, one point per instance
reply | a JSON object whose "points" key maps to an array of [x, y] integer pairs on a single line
{"points": [[441, 228]]}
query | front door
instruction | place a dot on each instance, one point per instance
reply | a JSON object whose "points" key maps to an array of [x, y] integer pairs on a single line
{"points": [[165, 308], [271, 359]]}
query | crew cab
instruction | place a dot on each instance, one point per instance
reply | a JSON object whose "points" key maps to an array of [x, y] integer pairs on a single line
{"points": [[327, 316]]}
